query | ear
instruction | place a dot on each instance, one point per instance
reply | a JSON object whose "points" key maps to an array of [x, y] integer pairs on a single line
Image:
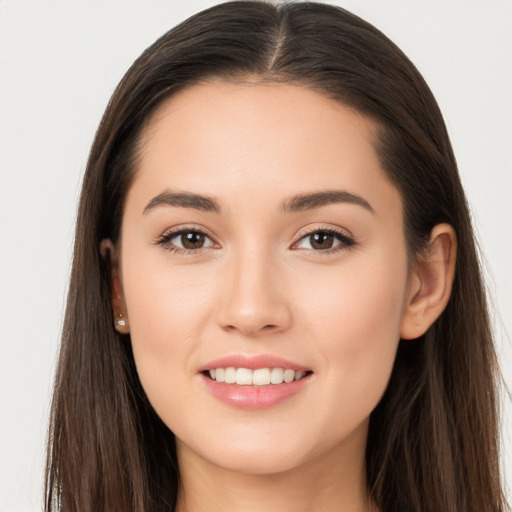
{"points": [[110, 255], [430, 283]]}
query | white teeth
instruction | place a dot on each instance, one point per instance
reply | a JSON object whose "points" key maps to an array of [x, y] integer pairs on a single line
{"points": [[277, 376], [244, 377], [230, 375], [289, 375], [259, 377], [219, 374]]}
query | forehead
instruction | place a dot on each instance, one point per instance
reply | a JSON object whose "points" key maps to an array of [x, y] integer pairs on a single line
{"points": [[227, 139]]}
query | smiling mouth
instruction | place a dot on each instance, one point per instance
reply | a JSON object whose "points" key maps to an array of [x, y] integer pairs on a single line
{"points": [[257, 377]]}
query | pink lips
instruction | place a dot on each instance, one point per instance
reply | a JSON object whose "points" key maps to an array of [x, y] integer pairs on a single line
{"points": [[253, 397], [253, 362]]}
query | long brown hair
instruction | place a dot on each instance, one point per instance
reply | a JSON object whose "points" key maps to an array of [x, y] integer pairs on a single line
{"points": [[433, 438]]}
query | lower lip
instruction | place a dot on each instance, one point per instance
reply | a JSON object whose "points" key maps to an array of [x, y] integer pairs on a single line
{"points": [[254, 397]]}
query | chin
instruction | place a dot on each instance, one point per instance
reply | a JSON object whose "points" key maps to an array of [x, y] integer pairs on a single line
{"points": [[249, 456], [258, 462], [255, 455]]}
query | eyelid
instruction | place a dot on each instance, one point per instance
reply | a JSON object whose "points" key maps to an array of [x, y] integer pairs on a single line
{"points": [[171, 233], [344, 236], [346, 239]]}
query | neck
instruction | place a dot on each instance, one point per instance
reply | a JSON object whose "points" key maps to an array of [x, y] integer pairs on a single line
{"points": [[331, 482]]}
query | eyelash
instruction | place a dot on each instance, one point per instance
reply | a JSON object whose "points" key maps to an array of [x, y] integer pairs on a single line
{"points": [[347, 242], [167, 237]]}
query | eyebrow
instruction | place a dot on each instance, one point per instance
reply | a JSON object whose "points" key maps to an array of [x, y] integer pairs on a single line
{"points": [[315, 200], [184, 200], [298, 203]]}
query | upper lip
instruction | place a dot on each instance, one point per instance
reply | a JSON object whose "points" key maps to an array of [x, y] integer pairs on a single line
{"points": [[253, 362]]}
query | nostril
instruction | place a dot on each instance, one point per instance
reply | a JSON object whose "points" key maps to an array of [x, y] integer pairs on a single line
{"points": [[250, 329]]}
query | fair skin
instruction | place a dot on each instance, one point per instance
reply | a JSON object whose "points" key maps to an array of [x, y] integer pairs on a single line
{"points": [[258, 283]]}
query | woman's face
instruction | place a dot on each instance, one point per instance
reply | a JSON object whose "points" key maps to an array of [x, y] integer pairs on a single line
{"points": [[261, 233]]}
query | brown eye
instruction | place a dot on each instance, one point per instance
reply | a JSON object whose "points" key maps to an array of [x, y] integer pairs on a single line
{"points": [[321, 240], [325, 240], [186, 240], [192, 240]]}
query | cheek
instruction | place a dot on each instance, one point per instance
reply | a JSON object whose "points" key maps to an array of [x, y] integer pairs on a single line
{"points": [[163, 304], [166, 310], [356, 323]]}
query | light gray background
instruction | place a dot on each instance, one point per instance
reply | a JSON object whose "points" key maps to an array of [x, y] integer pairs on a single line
{"points": [[59, 63]]}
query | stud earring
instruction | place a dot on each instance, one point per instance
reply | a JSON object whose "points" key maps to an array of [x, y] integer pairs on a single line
{"points": [[121, 324]]}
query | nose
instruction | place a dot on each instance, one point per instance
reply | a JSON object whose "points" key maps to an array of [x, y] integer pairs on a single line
{"points": [[254, 299]]}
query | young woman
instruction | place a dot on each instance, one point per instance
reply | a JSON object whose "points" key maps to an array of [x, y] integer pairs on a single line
{"points": [[275, 302]]}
